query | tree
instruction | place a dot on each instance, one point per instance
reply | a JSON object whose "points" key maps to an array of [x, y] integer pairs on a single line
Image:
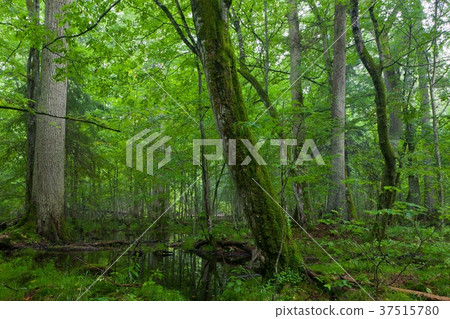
{"points": [[48, 175], [337, 197], [32, 95], [265, 218], [298, 105], [432, 82], [206, 184], [389, 177]]}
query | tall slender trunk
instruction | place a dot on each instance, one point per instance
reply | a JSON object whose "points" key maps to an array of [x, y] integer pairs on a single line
{"points": [[410, 128], [298, 105], [323, 27], [253, 184], [437, 152], [337, 195], [48, 175], [32, 96], [389, 178], [432, 80], [426, 130], [266, 49], [428, 190]]}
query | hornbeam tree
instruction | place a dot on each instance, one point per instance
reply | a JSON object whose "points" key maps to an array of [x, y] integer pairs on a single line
{"points": [[267, 222], [389, 178]]}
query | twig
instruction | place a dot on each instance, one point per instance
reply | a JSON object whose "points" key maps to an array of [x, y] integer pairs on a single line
{"points": [[12, 53], [9, 287]]}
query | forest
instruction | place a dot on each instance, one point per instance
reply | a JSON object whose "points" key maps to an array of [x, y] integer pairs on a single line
{"points": [[225, 150]]}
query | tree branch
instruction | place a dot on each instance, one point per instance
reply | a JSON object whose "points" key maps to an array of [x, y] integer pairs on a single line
{"points": [[183, 19], [32, 111], [85, 31], [191, 46], [12, 53]]}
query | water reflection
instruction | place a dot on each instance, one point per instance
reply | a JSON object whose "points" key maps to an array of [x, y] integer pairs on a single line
{"points": [[196, 278]]}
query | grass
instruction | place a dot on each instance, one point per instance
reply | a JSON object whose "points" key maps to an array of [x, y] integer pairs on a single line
{"points": [[23, 278]]}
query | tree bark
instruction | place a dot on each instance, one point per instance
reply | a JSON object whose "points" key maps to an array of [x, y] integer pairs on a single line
{"points": [[426, 131], [48, 176], [428, 191], [432, 80], [206, 185], [337, 195], [32, 96], [298, 105], [266, 220]]}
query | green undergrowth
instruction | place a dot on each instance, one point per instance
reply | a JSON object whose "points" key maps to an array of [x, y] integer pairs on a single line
{"points": [[23, 278], [411, 257]]}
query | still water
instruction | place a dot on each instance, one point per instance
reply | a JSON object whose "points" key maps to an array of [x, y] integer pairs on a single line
{"points": [[172, 267]]}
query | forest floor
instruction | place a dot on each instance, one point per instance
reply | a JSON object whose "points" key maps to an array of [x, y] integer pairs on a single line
{"points": [[412, 263]]}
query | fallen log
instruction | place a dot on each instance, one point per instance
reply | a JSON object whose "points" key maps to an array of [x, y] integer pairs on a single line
{"points": [[421, 294], [6, 244]]}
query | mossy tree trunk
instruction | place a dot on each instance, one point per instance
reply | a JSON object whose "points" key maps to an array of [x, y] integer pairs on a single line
{"points": [[266, 220], [206, 184], [389, 177]]}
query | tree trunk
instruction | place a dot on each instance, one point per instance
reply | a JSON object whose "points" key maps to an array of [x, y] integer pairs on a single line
{"points": [[266, 220], [432, 80], [428, 191], [392, 80], [297, 103], [337, 196], [206, 185], [437, 152], [388, 181], [48, 176], [32, 96]]}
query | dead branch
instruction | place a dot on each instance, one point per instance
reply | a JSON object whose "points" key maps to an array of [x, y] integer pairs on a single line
{"points": [[421, 294]]}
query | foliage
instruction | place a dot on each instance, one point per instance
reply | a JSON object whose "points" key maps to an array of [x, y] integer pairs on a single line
{"points": [[133, 72]]}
